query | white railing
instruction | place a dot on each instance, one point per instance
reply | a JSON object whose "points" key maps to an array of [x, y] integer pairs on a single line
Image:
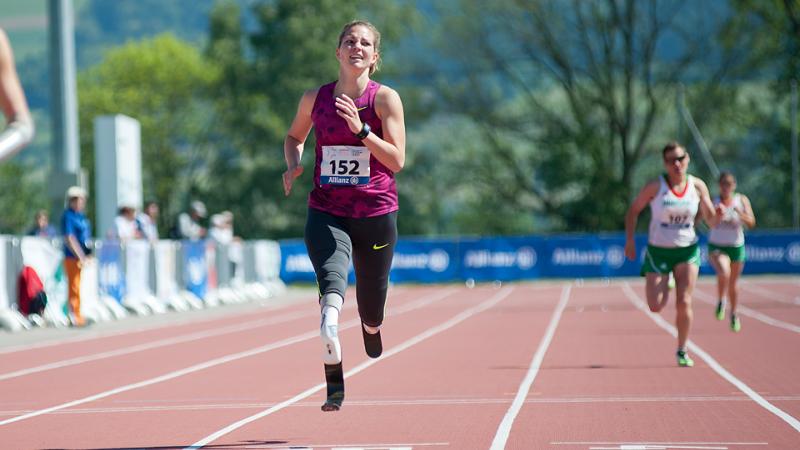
{"points": [[138, 277]]}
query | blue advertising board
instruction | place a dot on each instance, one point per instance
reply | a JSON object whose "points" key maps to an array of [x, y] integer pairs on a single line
{"points": [[421, 260], [110, 273], [195, 270]]}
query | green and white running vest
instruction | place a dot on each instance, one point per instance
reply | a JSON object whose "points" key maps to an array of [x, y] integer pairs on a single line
{"points": [[672, 215], [729, 232]]}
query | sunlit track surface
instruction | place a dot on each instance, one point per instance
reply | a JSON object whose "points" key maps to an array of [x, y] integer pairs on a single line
{"points": [[556, 364]]}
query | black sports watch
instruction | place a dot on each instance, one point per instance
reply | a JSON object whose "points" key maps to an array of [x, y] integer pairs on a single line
{"points": [[364, 131]]}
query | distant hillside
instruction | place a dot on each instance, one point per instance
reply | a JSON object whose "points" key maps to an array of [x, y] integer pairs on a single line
{"points": [[25, 22]]}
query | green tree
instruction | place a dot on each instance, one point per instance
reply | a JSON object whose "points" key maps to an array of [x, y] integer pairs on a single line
{"points": [[568, 98], [163, 83], [23, 194], [765, 35]]}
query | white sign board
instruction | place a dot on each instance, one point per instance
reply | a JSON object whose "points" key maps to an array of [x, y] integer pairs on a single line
{"points": [[118, 168]]}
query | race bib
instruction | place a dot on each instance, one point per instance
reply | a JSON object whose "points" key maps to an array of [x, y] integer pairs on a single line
{"points": [[675, 221], [344, 165]]}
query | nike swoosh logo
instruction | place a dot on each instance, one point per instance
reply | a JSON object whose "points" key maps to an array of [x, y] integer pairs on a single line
{"points": [[378, 247], [361, 109]]}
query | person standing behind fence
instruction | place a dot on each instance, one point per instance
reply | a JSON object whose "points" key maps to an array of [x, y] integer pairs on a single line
{"points": [[19, 130], [675, 199], [221, 232], [189, 226], [41, 226], [148, 221], [352, 210], [726, 245], [77, 231], [126, 227]]}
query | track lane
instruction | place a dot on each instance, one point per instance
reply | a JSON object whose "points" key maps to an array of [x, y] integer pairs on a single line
{"points": [[607, 362], [470, 361], [395, 404], [235, 379]]}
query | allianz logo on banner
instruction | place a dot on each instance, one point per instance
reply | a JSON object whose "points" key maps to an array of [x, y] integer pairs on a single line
{"points": [[791, 253], [196, 268], [299, 262], [614, 256], [436, 260], [523, 258]]}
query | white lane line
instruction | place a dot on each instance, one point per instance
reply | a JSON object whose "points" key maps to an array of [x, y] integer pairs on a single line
{"points": [[86, 335], [210, 363], [369, 446], [721, 371], [157, 344], [770, 294], [504, 430], [659, 445], [464, 315], [749, 312], [409, 402]]}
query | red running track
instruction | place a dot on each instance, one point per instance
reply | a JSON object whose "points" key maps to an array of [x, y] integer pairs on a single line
{"points": [[519, 366]]}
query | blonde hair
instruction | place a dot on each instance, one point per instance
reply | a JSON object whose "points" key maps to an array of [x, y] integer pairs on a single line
{"points": [[377, 44]]}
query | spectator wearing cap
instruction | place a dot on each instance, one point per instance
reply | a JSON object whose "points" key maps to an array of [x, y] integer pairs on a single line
{"points": [[222, 227], [77, 231], [189, 223]]}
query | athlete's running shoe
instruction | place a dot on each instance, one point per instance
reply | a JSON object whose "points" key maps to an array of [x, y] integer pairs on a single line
{"points": [[684, 360], [372, 343], [334, 377], [720, 310], [736, 324]]}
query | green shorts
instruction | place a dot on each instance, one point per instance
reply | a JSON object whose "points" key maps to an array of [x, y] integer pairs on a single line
{"points": [[736, 254], [663, 260]]}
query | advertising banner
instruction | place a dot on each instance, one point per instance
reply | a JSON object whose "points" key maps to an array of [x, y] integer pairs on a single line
{"points": [[295, 264], [137, 268], [422, 260], [165, 261], [195, 269], [503, 259], [425, 261], [110, 272]]}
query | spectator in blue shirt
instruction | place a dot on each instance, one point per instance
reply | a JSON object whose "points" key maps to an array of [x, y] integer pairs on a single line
{"points": [[41, 226], [77, 231]]}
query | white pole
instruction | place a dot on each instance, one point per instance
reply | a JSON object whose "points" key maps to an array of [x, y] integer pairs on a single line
{"points": [[698, 138]]}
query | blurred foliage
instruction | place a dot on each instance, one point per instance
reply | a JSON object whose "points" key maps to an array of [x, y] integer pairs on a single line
{"points": [[753, 139], [568, 98], [163, 83], [523, 116], [24, 193]]}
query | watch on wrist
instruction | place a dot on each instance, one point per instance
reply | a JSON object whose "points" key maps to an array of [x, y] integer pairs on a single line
{"points": [[365, 129]]}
